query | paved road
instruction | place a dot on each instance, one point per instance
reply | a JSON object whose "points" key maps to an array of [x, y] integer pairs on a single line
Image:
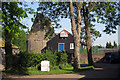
{"points": [[103, 70]]}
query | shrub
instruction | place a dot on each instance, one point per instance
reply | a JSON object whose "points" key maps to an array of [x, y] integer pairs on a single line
{"points": [[32, 59], [50, 56], [62, 57], [26, 59]]}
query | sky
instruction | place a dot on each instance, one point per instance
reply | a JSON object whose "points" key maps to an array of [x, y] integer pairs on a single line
{"points": [[66, 24]]}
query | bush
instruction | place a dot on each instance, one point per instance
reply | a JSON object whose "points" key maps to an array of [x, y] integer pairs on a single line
{"points": [[25, 59], [32, 59], [50, 56], [62, 58]]}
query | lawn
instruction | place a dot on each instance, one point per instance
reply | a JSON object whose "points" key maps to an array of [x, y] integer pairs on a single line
{"points": [[35, 71], [58, 71]]}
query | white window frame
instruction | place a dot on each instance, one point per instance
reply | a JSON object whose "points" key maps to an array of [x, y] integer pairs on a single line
{"points": [[71, 45]]}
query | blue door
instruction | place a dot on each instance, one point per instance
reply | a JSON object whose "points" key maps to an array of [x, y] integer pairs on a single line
{"points": [[61, 47]]}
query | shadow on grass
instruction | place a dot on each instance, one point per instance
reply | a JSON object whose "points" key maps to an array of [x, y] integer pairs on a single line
{"points": [[17, 68], [16, 71], [84, 67]]}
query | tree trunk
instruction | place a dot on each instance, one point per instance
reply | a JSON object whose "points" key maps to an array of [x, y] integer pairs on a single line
{"points": [[76, 34], [8, 51], [77, 53], [8, 46], [88, 37]]}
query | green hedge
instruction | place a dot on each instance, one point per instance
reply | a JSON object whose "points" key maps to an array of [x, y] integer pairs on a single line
{"points": [[32, 59]]}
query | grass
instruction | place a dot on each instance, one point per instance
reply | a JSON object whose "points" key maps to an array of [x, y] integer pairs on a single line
{"points": [[34, 71], [58, 71], [87, 67]]}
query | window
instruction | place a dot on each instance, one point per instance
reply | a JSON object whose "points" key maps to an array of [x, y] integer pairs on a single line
{"points": [[63, 34], [71, 45], [60, 46]]}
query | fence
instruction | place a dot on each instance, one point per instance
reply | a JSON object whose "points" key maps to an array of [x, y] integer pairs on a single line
{"points": [[105, 50]]}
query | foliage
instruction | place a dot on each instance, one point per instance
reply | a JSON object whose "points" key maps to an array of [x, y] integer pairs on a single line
{"points": [[33, 60], [109, 45], [95, 49], [12, 14], [26, 59], [98, 10], [61, 10], [20, 40], [115, 45], [41, 22], [30, 59], [107, 13], [62, 57], [50, 56], [84, 50], [11, 26], [100, 46]]}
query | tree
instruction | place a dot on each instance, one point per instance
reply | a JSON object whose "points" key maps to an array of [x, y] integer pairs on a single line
{"points": [[76, 32], [86, 12], [115, 45], [108, 13], [107, 45], [89, 11], [11, 16], [20, 40], [100, 46], [110, 45], [104, 15], [56, 10]]}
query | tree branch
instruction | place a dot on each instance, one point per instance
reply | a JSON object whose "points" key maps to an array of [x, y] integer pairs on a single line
{"points": [[79, 17], [92, 8], [89, 4]]}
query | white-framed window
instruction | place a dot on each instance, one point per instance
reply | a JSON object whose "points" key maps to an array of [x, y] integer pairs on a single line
{"points": [[71, 45]]}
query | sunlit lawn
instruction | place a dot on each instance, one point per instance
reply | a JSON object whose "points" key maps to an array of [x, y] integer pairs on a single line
{"points": [[59, 71], [35, 71]]}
